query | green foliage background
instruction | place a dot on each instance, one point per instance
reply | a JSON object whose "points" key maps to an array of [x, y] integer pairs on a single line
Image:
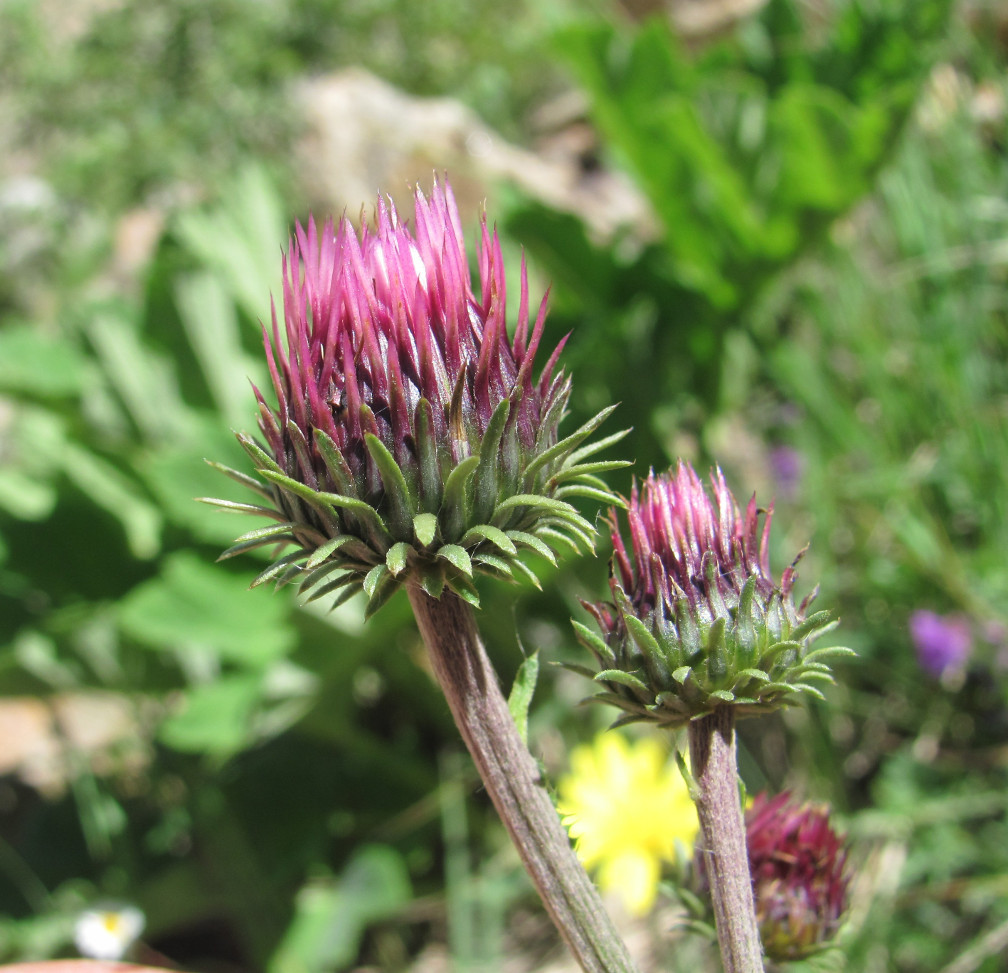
{"points": [[826, 273]]}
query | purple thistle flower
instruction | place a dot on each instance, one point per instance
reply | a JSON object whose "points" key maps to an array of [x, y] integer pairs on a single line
{"points": [[411, 440], [788, 468], [943, 642], [697, 619], [800, 880]]}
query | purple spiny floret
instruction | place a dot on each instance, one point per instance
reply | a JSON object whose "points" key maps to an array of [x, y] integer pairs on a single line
{"points": [[374, 324], [684, 545]]}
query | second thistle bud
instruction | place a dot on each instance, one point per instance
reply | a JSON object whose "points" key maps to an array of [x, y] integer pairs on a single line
{"points": [[696, 620], [798, 867]]}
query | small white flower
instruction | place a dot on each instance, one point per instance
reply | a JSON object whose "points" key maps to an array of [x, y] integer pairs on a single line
{"points": [[107, 932]]}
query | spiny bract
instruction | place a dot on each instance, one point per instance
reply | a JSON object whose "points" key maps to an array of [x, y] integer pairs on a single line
{"points": [[411, 442]]}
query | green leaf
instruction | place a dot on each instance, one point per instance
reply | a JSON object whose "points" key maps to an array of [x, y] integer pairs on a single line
{"points": [[490, 533], [214, 718], [457, 557], [260, 458], [485, 478], [570, 443], [627, 679], [326, 550], [593, 642], [279, 536], [277, 567], [425, 528], [332, 916], [397, 493], [534, 543], [194, 606], [427, 460], [640, 633], [372, 579], [454, 506], [397, 557], [520, 697]]}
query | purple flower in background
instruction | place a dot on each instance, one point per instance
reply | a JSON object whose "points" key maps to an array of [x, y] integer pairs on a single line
{"points": [[788, 467], [943, 642]]}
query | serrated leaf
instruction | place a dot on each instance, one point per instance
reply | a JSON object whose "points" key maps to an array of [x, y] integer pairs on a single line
{"points": [[396, 558], [425, 528], [489, 533], [457, 557]]}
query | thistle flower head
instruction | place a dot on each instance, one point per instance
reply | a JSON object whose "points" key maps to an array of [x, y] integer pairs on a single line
{"points": [[697, 620], [798, 867], [412, 439]]}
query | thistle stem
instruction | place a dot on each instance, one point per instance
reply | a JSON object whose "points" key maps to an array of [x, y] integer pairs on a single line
{"points": [[514, 782], [713, 764]]}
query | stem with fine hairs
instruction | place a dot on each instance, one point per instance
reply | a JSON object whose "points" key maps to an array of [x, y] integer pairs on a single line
{"points": [[722, 829], [513, 781]]}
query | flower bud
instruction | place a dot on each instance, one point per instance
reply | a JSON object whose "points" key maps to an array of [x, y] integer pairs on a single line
{"points": [[411, 440], [798, 867], [696, 619]]}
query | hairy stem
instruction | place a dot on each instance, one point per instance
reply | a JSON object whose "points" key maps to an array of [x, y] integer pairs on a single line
{"points": [[514, 783], [712, 760]]}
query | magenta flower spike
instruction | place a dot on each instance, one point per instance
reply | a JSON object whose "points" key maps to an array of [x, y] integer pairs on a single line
{"points": [[800, 880], [412, 440], [697, 620]]}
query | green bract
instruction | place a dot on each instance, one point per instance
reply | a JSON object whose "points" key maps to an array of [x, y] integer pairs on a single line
{"points": [[696, 621], [411, 442]]}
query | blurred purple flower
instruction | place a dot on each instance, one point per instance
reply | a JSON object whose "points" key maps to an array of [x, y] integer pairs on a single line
{"points": [[943, 642], [788, 468]]}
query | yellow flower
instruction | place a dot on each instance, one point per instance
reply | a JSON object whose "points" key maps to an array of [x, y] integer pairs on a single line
{"points": [[625, 805]]}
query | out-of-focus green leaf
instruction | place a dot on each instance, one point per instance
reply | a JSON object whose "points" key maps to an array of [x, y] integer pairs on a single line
{"points": [[194, 605], [36, 365], [211, 325], [331, 917], [240, 240], [215, 718]]}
